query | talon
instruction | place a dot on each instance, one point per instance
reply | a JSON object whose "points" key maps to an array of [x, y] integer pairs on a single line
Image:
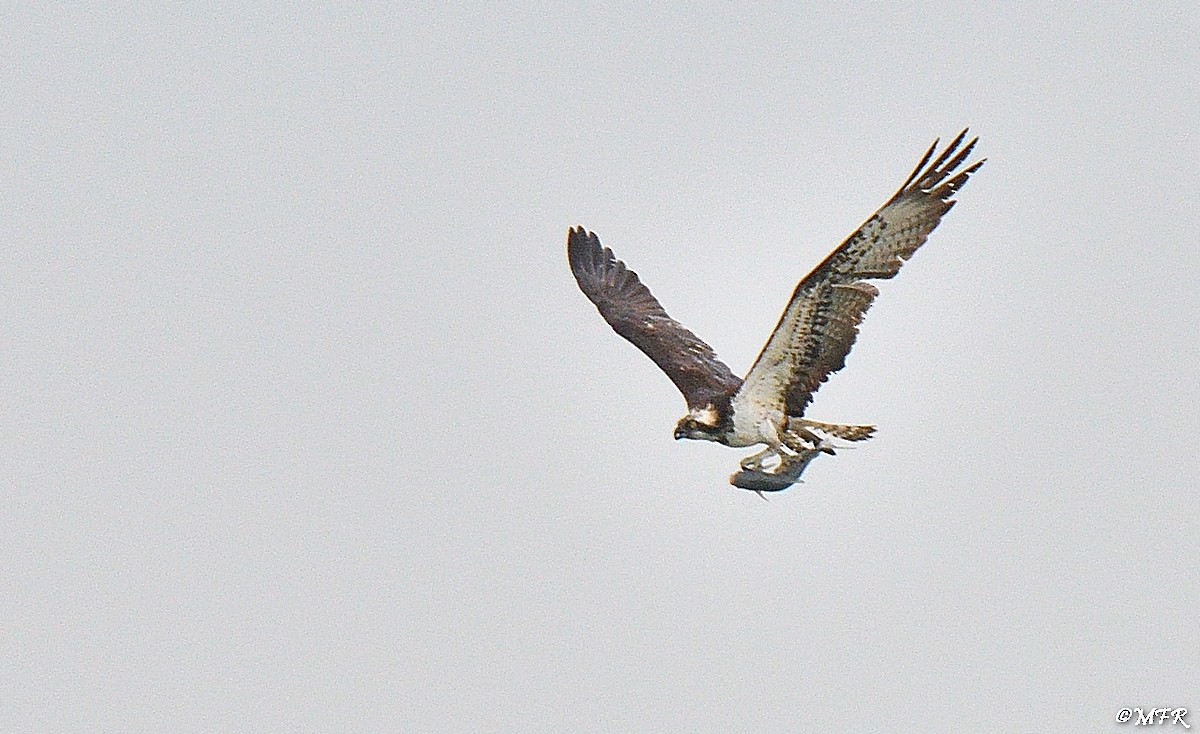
{"points": [[754, 462]]}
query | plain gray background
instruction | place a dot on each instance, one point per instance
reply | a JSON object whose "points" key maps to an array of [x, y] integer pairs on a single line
{"points": [[306, 427]]}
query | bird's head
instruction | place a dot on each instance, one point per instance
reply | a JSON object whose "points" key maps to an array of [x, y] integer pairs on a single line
{"points": [[699, 425]]}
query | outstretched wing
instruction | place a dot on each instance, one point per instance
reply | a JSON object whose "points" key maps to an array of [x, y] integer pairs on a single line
{"points": [[631, 310], [820, 323]]}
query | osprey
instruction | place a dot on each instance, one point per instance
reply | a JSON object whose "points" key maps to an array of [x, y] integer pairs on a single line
{"points": [[810, 342]]}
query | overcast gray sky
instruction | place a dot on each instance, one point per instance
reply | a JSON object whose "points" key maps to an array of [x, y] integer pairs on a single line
{"points": [[305, 425]]}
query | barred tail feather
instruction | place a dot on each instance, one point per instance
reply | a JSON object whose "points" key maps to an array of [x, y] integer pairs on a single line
{"points": [[838, 430]]}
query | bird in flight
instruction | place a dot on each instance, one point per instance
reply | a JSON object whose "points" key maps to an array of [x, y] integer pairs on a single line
{"points": [[815, 333]]}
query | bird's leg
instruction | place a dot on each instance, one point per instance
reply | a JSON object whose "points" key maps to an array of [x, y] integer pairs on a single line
{"points": [[778, 447], [776, 442], [754, 462]]}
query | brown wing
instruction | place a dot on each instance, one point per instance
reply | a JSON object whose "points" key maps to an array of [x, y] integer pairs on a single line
{"points": [[820, 323], [631, 310]]}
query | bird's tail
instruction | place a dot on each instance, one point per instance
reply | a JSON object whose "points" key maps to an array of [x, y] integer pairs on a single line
{"points": [[838, 430]]}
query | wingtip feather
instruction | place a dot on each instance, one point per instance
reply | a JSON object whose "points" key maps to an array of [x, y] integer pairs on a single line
{"points": [[584, 252]]}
